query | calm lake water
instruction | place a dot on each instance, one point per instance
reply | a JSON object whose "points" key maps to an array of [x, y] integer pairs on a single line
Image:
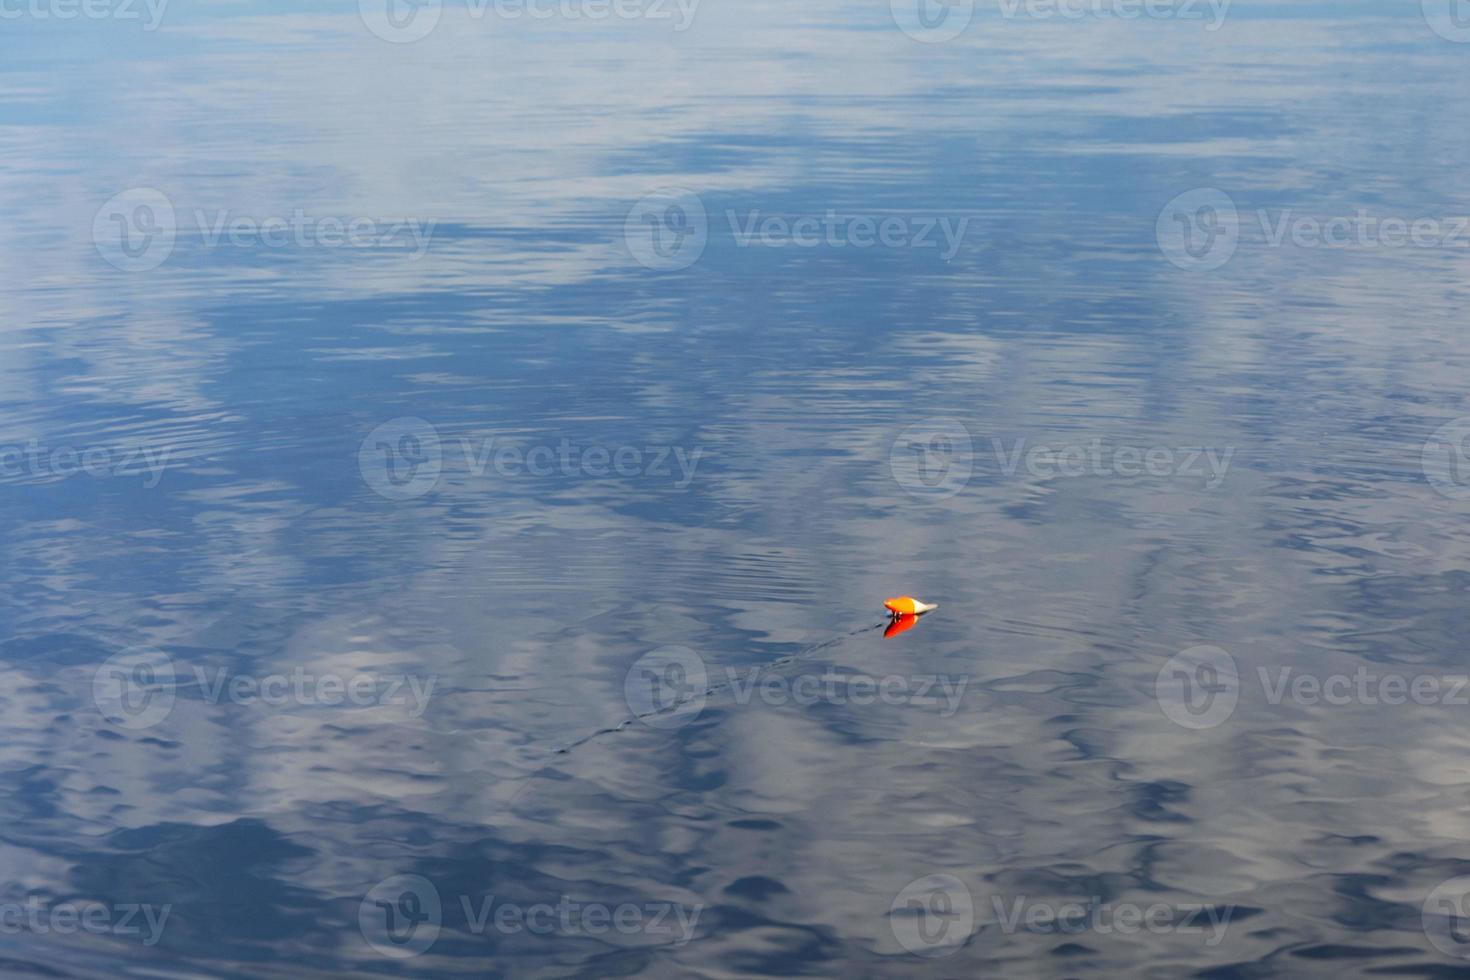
{"points": [[393, 397]]}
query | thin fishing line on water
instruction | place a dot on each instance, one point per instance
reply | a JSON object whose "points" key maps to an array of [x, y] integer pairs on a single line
{"points": [[691, 696], [759, 671], [904, 612]]}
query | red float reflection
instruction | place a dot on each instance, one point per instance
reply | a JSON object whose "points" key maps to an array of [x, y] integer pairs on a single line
{"points": [[899, 624]]}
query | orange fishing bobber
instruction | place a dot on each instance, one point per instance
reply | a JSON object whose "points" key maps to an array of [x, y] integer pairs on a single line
{"points": [[907, 605]]}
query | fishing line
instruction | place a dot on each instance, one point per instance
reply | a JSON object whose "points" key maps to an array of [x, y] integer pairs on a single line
{"points": [[757, 672]]}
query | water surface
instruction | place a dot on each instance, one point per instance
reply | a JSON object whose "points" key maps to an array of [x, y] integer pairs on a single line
{"points": [[493, 469]]}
